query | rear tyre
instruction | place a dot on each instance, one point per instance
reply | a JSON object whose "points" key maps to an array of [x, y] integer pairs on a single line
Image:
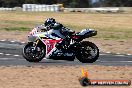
{"points": [[32, 55], [88, 53]]}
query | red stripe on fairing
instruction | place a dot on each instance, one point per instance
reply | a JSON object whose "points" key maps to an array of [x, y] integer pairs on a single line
{"points": [[50, 44], [75, 37]]}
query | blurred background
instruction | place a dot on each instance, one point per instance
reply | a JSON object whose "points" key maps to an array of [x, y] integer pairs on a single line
{"points": [[69, 3]]}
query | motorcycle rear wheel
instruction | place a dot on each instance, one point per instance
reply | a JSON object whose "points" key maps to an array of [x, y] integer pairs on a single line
{"points": [[89, 52], [31, 56]]}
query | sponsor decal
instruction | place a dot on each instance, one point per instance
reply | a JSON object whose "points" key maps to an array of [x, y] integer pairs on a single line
{"points": [[50, 44]]}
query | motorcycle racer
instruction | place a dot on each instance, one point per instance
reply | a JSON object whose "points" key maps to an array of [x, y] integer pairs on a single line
{"points": [[50, 24], [52, 40]]}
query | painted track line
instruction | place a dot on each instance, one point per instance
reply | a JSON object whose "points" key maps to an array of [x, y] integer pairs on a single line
{"points": [[12, 41], [120, 55], [2, 40], [1, 53], [16, 55], [116, 61], [7, 58], [7, 54], [102, 53], [129, 54], [108, 52]]}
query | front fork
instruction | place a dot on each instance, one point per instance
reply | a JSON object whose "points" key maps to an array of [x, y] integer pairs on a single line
{"points": [[35, 44]]}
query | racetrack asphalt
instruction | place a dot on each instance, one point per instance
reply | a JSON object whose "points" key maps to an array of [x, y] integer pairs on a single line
{"points": [[11, 55]]}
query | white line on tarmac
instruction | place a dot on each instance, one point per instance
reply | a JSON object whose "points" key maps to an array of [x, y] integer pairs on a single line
{"points": [[116, 61], [119, 55], [7, 54], [108, 52], [102, 54], [129, 54], [1, 53], [2, 40], [6, 58], [12, 41], [23, 42], [16, 55]]}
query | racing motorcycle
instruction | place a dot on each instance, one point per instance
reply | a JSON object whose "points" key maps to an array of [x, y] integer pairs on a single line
{"points": [[47, 45]]}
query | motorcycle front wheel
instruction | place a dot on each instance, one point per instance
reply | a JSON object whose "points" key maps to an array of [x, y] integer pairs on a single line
{"points": [[32, 55], [88, 53]]}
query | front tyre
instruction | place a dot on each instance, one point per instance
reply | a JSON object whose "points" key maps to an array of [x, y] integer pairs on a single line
{"points": [[88, 52], [32, 55]]}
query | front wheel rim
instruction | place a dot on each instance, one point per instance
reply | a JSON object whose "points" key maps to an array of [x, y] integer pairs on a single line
{"points": [[30, 54]]}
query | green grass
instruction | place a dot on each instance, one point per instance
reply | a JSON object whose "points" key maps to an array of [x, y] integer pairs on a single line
{"points": [[17, 28], [109, 26]]}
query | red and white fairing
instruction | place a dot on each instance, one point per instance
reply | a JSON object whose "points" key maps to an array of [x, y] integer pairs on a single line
{"points": [[50, 45], [50, 41]]}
